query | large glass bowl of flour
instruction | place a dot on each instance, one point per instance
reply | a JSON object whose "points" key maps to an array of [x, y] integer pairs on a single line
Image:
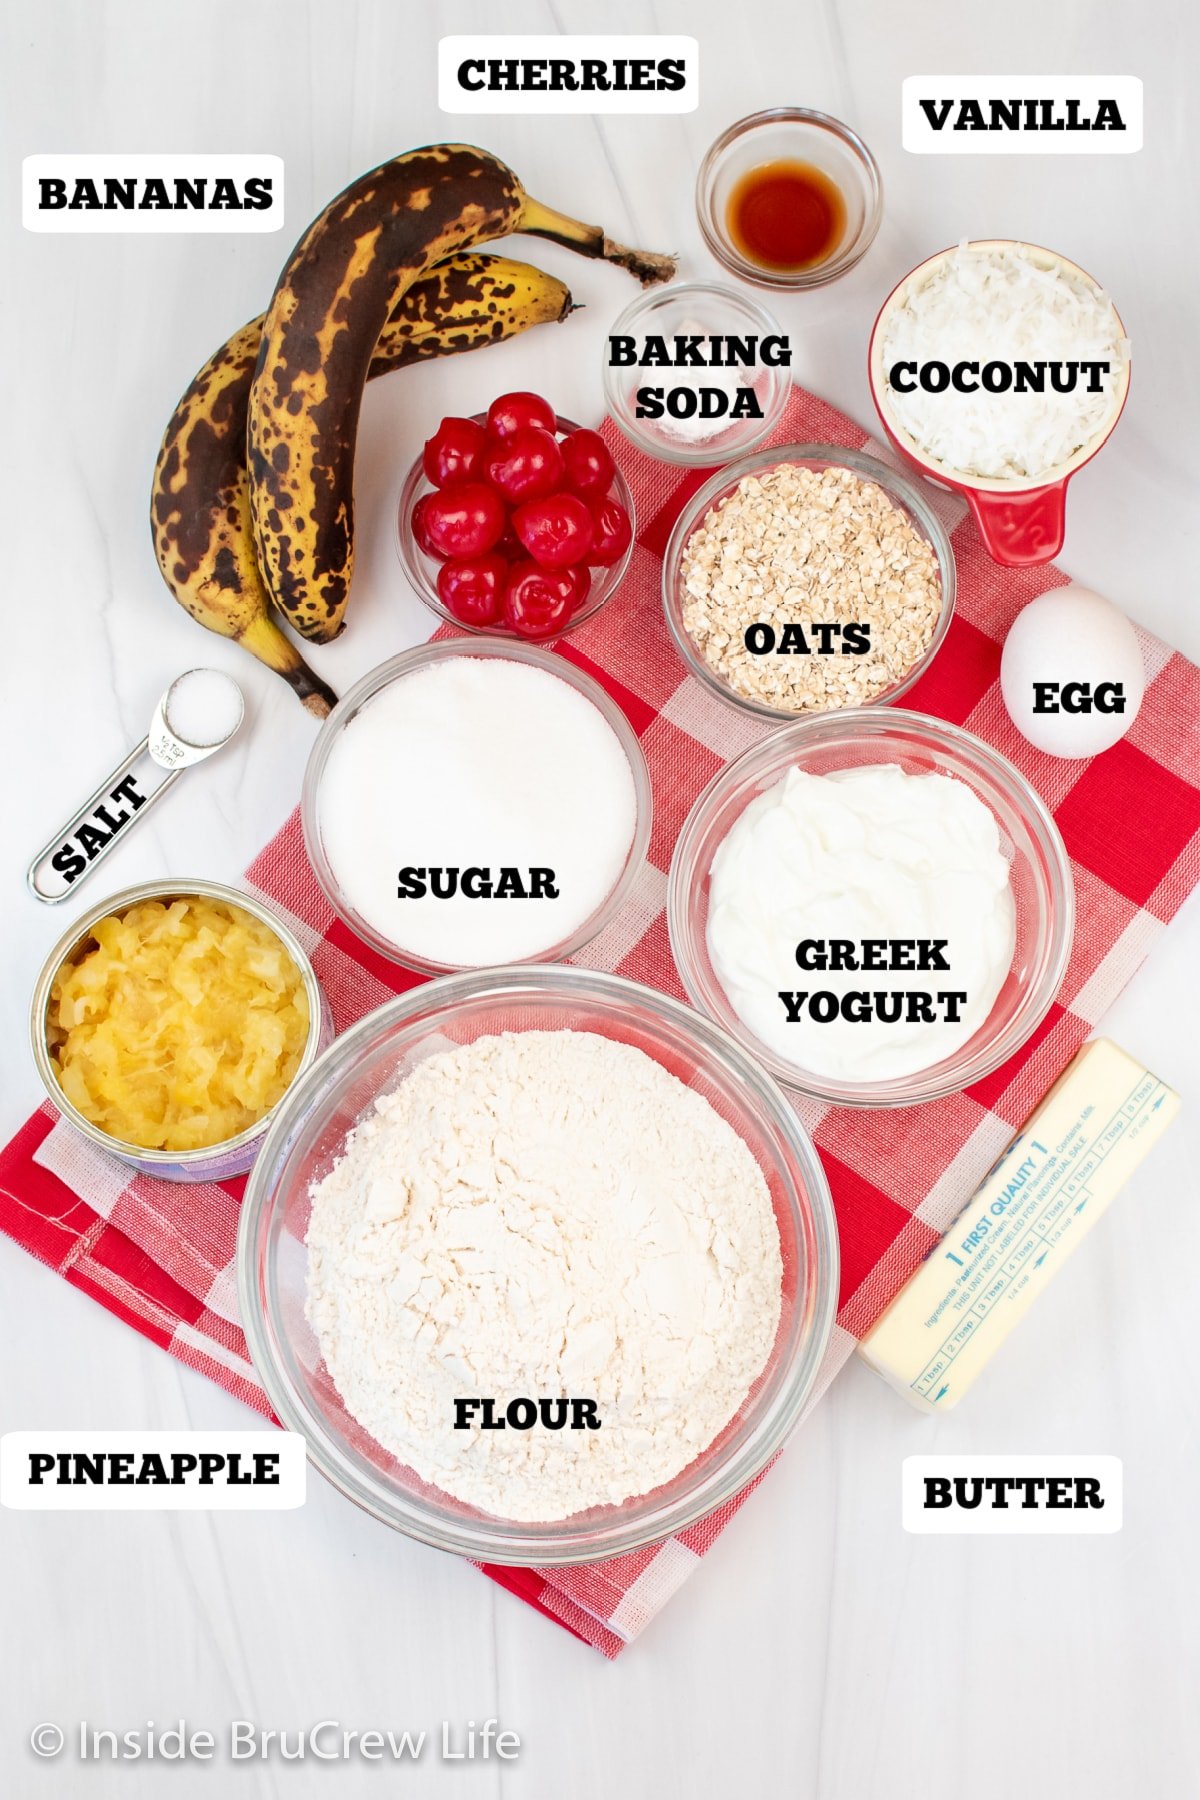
{"points": [[372, 1059]]}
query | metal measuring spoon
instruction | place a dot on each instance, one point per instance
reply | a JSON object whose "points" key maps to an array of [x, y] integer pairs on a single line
{"points": [[88, 836]]}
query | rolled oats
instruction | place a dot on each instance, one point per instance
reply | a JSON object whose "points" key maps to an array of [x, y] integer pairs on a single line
{"points": [[796, 546]]}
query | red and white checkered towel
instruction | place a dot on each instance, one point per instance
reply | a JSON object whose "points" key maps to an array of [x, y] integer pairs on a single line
{"points": [[161, 1256]]}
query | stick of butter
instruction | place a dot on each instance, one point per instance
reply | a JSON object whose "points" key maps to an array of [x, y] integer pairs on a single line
{"points": [[1038, 1202]]}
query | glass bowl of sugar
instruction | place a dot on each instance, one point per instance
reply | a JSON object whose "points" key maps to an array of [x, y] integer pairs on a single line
{"points": [[476, 802], [696, 373]]}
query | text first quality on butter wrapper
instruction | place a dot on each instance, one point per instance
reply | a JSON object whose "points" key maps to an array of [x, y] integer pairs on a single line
{"points": [[1039, 1201]]}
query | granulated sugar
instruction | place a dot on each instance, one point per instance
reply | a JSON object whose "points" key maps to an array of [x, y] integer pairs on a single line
{"points": [[544, 1214], [458, 772]]}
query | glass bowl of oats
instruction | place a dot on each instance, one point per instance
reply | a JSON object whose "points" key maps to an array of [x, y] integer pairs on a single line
{"points": [[808, 579]]}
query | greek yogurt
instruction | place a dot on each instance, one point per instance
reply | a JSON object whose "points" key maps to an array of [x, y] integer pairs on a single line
{"points": [[862, 922]]}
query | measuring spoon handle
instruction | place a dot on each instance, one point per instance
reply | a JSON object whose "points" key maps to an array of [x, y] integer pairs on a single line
{"points": [[50, 894]]}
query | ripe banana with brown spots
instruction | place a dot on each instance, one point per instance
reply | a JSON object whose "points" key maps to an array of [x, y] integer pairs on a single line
{"points": [[465, 303], [349, 271], [200, 501]]}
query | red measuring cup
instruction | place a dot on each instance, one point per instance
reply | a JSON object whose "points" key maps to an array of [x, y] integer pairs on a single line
{"points": [[1019, 522]]}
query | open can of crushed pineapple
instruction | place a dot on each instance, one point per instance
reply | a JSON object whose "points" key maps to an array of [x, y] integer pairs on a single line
{"points": [[171, 931]]}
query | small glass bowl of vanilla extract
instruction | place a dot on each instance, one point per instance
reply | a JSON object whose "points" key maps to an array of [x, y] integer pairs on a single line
{"points": [[789, 198]]}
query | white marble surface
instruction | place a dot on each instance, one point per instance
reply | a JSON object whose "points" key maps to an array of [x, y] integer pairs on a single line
{"points": [[820, 1651]]}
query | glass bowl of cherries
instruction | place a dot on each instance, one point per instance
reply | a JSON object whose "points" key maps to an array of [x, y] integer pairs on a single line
{"points": [[515, 521]]}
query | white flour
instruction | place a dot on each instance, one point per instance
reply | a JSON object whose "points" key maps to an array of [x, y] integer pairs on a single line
{"points": [[544, 1214]]}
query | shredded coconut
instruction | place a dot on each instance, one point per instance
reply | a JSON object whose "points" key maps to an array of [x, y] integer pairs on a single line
{"points": [[544, 1214], [1004, 305]]}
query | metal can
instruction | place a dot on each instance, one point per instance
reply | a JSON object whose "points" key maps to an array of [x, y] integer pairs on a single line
{"points": [[215, 1162]]}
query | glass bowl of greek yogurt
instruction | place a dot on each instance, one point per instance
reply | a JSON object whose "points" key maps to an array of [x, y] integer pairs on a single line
{"points": [[695, 373], [475, 802], [573, 1314], [877, 904]]}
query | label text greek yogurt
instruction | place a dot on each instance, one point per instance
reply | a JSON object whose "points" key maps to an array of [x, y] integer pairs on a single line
{"points": [[858, 1006]]}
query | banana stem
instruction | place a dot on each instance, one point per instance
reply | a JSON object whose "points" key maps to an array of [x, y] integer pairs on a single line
{"points": [[265, 640], [320, 703], [315, 695], [589, 240]]}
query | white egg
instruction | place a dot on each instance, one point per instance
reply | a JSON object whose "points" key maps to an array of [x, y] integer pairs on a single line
{"points": [[1071, 672]]}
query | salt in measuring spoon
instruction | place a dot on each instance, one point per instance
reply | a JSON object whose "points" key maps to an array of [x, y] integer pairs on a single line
{"points": [[200, 711]]}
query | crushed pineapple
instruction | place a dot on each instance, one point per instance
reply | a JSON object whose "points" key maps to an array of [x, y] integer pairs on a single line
{"points": [[181, 1026]]}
